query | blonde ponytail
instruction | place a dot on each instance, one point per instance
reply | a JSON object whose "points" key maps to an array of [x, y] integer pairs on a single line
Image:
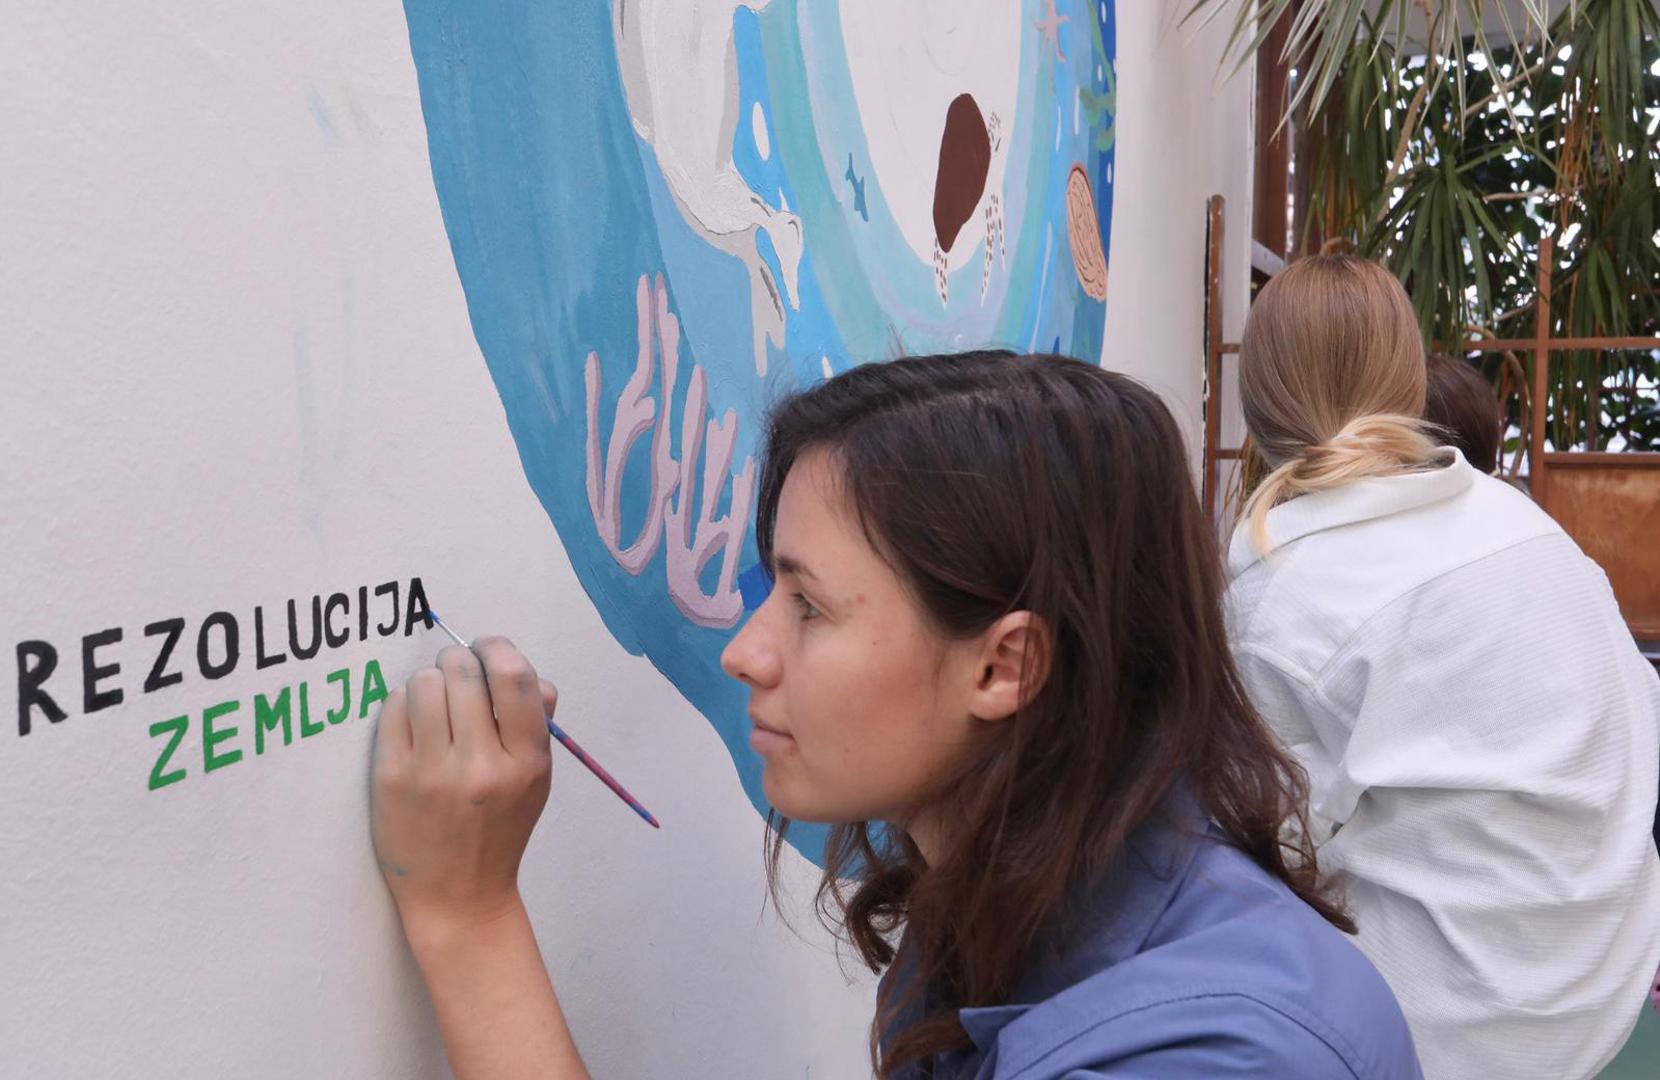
{"points": [[1331, 378], [1383, 444]]}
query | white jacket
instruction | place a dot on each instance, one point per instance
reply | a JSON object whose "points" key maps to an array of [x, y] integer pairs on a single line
{"points": [[1482, 740]]}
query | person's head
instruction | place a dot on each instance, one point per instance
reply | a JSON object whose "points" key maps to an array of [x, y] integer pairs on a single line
{"points": [[1331, 378], [995, 625], [1464, 407]]}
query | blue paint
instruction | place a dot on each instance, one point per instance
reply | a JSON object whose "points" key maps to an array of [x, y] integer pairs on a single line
{"points": [[756, 585], [432, 620], [555, 208]]}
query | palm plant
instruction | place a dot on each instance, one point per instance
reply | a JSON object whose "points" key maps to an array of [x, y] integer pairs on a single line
{"points": [[1449, 153]]}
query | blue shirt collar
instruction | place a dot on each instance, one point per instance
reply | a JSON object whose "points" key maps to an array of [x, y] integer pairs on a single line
{"points": [[1108, 921]]}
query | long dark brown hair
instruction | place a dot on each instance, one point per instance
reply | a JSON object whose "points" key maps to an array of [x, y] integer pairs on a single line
{"points": [[995, 483]]}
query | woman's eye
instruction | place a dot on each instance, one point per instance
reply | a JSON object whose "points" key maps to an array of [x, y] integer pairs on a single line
{"points": [[808, 611]]}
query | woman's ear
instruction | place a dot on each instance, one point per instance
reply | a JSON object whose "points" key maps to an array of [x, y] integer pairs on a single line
{"points": [[1012, 666]]}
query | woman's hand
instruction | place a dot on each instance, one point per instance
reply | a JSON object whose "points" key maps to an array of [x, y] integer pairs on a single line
{"points": [[461, 773]]}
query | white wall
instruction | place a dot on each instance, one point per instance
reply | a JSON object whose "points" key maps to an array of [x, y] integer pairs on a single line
{"points": [[238, 370], [1185, 133]]}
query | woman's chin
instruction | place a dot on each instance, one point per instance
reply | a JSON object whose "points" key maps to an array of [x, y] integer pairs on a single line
{"points": [[802, 807], [781, 798], [788, 799], [786, 793]]}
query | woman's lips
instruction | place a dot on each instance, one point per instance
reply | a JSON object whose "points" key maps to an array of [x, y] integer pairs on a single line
{"points": [[764, 739]]}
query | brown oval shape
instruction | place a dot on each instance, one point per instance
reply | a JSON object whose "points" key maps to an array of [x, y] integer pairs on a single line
{"points": [[965, 161]]}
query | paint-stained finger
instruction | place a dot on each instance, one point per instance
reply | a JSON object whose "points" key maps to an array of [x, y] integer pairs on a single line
{"points": [[429, 715], [517, 694], [472, 722]]}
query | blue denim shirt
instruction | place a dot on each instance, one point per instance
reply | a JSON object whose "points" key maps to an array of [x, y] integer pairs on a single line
{"points": [[1187, 962]]}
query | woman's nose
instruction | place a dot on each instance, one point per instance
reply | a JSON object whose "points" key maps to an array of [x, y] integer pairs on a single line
{"points": [[750, 656]]}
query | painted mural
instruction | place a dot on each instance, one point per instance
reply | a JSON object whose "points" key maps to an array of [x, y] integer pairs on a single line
{"points": [[665, 214]]}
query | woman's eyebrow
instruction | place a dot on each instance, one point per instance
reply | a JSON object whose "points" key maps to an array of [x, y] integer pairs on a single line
{"points": [[788, 564]]}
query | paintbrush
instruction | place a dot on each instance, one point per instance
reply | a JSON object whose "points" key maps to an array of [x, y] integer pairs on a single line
{"points": [[567, 742]]}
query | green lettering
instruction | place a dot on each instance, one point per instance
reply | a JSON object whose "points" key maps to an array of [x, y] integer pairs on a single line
{"points": [[344, 678], [267, 716], [307, 728], [374, 688], [212, 738], [178, 725]]}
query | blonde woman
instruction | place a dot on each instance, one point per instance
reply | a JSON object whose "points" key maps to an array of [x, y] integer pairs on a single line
{"points": [[1481, 735]]}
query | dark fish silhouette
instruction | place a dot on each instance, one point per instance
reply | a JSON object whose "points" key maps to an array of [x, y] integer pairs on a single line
{"points": [[858, 183]]}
